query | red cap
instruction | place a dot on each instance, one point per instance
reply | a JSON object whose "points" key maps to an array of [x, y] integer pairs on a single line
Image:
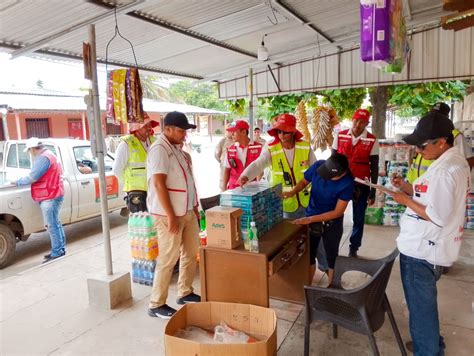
{"points": [[286, 123], [134, 126], [238, 125], [361, 114]]}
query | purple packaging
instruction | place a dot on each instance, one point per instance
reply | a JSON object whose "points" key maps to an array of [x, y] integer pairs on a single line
{"points": [[375, 32]]}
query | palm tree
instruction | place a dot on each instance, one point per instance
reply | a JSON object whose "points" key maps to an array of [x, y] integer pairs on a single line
{"points": [[154, 87]]}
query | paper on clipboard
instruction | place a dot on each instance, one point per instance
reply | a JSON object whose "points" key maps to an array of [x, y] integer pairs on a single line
{"points": [[376, 186]]}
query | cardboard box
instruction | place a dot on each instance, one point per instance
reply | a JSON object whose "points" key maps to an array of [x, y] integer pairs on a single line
{"points": [[258, 322], [223, 227]]}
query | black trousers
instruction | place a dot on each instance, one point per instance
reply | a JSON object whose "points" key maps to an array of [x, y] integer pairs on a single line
{"points": [[331, 233], [136, 201]]}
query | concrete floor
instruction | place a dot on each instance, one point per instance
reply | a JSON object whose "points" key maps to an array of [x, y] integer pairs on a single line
{"points": [[45, 310]]}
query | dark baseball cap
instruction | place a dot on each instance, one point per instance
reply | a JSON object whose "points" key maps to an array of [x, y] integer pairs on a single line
{"points": [[178, 119], [431, 126], [334, 166], [442, 108]]}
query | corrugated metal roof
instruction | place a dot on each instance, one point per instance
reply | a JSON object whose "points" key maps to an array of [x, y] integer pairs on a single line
{"points": [[49, 100], [237, 23], [436, 55]]}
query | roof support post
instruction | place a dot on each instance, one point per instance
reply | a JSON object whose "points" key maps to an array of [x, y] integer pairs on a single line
{"points": [[99, 144], [250, 89]]}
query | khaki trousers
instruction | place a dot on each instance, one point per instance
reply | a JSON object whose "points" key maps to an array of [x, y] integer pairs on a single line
{"points": [[183, 245]]}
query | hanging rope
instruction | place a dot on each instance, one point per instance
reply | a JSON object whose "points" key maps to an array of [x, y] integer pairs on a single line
{"points": [[117, 32]]}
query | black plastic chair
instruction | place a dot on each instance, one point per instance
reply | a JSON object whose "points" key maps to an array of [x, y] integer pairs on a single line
{"points": [[207, 203], [361, 309]]}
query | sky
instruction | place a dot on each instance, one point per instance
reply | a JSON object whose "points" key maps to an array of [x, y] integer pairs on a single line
{"points": [[24, 72]]}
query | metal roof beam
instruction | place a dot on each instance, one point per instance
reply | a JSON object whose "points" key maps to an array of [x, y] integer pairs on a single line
{"points": [[78, 57], [293, 13], [59, 33], [178, 29]]}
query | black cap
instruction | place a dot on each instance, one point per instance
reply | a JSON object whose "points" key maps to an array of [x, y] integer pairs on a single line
{"points": [[178, 119], [334, 166], [442, 108], [433, 125]]}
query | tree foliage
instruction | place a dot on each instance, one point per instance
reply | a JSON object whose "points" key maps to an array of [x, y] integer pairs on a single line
{"points": [[344, 101], [418, 99], [237, 107], [204, 95], [153, 88]]}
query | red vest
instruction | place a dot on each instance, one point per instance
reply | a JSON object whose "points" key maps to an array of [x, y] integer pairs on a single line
{"points": [[50, 185], [358, 155], [253, 151]]}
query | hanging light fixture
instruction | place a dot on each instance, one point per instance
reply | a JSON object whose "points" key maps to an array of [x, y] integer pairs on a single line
{"points": [[262, 50]]}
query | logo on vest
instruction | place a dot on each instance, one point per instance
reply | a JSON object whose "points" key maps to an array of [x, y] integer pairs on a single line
{"points": [[304, 163]]}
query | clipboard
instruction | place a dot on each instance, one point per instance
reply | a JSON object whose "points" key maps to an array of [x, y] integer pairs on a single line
{"points": [[376, 186]]}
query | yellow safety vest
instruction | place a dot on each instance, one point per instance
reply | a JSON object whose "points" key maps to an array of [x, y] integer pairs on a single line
{"points": [[134, 175], [300, 165], [420, 165]]}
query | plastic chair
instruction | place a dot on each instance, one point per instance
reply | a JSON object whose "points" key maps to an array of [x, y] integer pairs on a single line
{"points": [[362, 309], [207, 203]]}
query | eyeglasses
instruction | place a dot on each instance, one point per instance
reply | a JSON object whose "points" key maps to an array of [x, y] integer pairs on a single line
{"points": [[422, 146], [282, 132]]}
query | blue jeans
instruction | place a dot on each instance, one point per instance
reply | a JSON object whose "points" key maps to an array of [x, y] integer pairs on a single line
{"points": [[419, 279], [359, 205], [50, 210], [321, 254]]}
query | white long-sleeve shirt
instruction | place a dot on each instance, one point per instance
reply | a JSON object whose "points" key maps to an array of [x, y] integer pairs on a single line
{"points": [[265, 160], [122, 155]]}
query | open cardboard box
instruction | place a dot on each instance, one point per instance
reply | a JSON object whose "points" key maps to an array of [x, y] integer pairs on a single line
{"points": [[258, 322]]}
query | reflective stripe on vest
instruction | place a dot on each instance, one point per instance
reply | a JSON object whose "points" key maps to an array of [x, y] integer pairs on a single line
{"points": [[358, 154], [134, 175], [420, 165], [253, 152], [300, 165]]}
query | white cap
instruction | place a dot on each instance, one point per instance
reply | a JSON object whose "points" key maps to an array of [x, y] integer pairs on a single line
{"points": [[252, 223], [32, 142]]}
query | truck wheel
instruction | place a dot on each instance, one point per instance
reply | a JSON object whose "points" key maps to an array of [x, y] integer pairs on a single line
{"points": [[7, 245]]}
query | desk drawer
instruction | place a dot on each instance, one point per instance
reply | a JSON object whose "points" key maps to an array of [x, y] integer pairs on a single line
{"points": [[289, 254]]}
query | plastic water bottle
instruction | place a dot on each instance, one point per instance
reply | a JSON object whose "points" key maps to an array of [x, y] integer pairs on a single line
{"points": [[254, 238], [202, 220], [134, 271]]}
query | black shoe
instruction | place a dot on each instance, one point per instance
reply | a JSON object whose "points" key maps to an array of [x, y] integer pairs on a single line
{"points": [[51, 258], [163, 312], [190, 298], [445, 270], [353, 253], [49, 255], [409, 346]]}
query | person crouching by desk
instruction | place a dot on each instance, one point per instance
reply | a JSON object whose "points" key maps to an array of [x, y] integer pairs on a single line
{"points": [[332, 187]]}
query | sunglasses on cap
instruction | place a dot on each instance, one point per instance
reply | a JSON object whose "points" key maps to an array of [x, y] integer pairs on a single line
{"points": [[423, 145], [283, 132]]}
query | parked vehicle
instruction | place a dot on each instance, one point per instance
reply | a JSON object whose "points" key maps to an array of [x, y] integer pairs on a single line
{"points": [[20, 216]]}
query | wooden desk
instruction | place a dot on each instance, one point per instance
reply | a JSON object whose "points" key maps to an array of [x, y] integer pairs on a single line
{"points": [[279, 271]]}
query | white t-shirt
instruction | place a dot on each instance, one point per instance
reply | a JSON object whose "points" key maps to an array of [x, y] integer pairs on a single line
{"points": [[375, 148], [159, 162], [265, 160], [443, 190]]}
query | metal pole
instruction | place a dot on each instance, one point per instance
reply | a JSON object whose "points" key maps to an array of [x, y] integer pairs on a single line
{"points": [[250, 89], [100, 154]]}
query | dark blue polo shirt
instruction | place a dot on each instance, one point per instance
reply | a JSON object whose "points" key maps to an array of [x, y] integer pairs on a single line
{"points": [[326, 193]]}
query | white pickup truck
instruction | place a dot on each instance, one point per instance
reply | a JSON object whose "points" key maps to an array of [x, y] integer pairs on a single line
{"points": [[20, 216]]}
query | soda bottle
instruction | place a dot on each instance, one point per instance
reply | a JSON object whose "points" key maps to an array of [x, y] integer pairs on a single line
{"points": [[131, 234], [202, 220], [254, 241], [140, 236], [247, 237]]}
